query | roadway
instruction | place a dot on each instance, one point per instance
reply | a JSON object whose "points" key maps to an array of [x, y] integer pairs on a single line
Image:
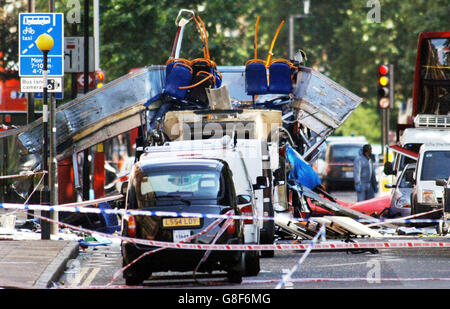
{"points": [[382, 269]]}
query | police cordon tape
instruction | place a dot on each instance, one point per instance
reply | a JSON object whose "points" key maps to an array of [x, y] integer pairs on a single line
{"points": [[287, 278], [79, 207], [190, 238], [325, 245], [268, 281], [244, 247], [278, 247]]}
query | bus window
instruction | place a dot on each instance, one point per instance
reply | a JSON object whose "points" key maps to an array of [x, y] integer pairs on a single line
{"points": [[435, 76]]}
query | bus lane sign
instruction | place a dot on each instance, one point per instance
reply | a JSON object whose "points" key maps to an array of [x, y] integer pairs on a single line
{"points": [[31, 26]]}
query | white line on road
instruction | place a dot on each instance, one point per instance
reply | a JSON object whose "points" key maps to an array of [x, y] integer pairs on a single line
{"points": [[360, 263]]}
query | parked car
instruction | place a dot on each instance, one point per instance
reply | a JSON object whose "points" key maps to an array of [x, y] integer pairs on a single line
{"points": [[190, 186], [401, 195], [339, 163]]}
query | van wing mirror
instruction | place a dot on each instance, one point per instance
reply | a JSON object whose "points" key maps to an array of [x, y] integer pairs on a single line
{"points": [[389, 186], [388, 168], [441, 182], [262, 182], [243, 199]]}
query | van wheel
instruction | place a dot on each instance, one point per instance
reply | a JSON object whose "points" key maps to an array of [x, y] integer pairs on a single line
{"points": [[267, 253], [252, 266], [135, 277], [236, 272], [135, 274], [442, 228], [413, 207], [134, 280]]}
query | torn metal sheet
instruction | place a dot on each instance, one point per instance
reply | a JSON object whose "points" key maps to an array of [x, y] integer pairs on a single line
{"points": [[100, 114], [89, 119], [322, 104], [333, 230], [289, 224], [353, 227], [335, 226]]}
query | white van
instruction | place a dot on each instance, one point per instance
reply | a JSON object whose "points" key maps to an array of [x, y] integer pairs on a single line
{"points": [[433, 163], [427, 129], [245, 160], [257, 134]]}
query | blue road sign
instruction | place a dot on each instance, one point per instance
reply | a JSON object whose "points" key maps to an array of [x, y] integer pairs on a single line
{"points": [[31, 59], [40, 95]]}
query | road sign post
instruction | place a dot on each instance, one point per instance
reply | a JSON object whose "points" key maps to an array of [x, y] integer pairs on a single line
{"points": [[45, 43]]}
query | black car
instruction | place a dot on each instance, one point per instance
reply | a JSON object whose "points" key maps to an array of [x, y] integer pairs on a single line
{"points": [[186, 185], [339, 164]]}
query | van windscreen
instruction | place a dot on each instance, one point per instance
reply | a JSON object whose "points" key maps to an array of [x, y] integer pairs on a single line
{"points": [[179, 183], [436, 165]]}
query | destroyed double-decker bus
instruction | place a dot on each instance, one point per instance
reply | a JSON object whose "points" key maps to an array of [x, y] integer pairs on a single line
{"points": [[429, 119]]}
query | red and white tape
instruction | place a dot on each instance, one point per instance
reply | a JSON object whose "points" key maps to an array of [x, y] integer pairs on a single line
{"points": [[190, 238], [324, 245], [357, 279]]}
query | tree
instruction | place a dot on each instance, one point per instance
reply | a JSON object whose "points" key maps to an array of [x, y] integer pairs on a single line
{"points": [[143, 34], [9, 49]]}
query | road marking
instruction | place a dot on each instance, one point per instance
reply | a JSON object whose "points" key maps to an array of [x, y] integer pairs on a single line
{"points": [[79, 276], [91, 277], [288, 285], [362, 263]]}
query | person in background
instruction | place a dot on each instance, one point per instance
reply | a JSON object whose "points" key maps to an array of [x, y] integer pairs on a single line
{"points": [[364, 174]]}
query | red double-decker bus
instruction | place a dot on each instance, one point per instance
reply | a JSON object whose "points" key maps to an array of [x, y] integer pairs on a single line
{"points": [[431, 92], [13, 104]]}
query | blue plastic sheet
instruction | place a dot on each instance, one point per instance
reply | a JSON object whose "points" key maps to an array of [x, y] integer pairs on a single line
{"points": [[301, 171]]}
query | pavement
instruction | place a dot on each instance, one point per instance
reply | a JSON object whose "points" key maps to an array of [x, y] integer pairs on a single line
{"points": [[34, 263], [27, 261]]}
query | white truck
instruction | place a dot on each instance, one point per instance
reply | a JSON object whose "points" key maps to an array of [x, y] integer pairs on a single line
{"points": [[257, 133], [244, 157], [427, 128], [433, 163]]}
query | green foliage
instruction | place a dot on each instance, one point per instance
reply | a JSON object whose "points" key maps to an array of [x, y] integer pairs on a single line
{"points": [[141, 33], [364, 121], [9, 46], [338, 37]]}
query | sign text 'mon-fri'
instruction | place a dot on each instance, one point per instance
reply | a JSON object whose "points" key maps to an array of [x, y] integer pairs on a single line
{"points": [[31, 26]]}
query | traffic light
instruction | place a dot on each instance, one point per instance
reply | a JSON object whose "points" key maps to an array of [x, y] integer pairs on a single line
{"points": [[384, 86], [99, 78]]}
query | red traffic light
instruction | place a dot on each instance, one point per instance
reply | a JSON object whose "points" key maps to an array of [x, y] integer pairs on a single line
{"points": [[100, 76], [383, 70]]}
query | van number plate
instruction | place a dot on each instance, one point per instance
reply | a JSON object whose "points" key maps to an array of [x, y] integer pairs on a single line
{"points": [[180, 222], [179, 235]]}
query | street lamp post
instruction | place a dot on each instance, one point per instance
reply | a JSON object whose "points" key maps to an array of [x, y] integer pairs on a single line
{"points": [[306, 5], [45, 43]]}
